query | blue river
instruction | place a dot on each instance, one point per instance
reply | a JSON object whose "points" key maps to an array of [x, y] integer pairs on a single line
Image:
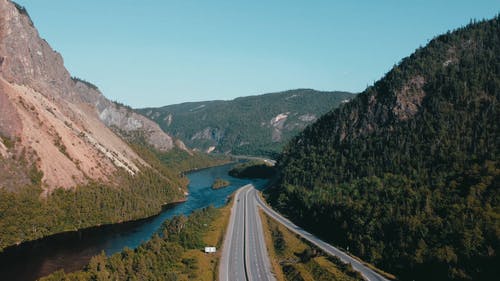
{"points": [[72, 251]]}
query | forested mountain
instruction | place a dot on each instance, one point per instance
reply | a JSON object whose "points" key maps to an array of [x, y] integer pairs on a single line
{"points": [[407, 174], [254, 125]]}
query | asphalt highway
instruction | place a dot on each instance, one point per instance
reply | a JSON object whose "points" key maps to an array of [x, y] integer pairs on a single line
{"points": [[258, 264], [244, 254], [232, 266]]}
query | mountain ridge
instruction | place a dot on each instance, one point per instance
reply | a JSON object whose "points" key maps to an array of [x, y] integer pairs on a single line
{"points": [[257, 124]]}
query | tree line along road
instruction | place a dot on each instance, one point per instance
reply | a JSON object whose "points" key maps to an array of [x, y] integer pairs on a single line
{"points": [[244, 253]]}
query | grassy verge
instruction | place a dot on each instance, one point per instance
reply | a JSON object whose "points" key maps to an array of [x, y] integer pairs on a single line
{"points": [[293, 258], [273, 256]]}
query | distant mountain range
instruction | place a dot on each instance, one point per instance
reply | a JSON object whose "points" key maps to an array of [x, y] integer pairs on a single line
{"points": [[253, 125], [407, 174]]}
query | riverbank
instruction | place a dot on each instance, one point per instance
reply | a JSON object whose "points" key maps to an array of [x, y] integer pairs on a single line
{"points": [[73, 252], [26, 218], [208, 264], [174, 252], [193, 170], [82, 231]]}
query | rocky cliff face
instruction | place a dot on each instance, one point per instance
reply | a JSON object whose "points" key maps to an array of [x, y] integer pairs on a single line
{"points": [[123, 120], [55, 123]]}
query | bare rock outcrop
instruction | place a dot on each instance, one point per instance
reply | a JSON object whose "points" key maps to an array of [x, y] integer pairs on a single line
{"points": [[3, 150], [122, 118], [409, 98], [26, 58]]}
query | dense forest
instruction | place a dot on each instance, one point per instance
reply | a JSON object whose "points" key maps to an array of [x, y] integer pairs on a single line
{"points": [[160, 258], [26, 215], [246, 125], [407, 174]]}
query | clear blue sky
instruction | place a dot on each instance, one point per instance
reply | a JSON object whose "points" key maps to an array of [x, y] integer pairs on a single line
{"points": [[159, 52]]}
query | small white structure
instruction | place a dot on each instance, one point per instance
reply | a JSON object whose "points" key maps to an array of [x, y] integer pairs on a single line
{"points": [[210, 250]]}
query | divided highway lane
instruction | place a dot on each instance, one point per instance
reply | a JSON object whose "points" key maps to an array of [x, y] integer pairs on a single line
{"points": [[232, 266], [367, 273], [258, 264], [244, 253]]}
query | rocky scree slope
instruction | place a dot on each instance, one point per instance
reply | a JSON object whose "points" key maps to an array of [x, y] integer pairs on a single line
{"points": [[254, 125], [56, 123]]}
